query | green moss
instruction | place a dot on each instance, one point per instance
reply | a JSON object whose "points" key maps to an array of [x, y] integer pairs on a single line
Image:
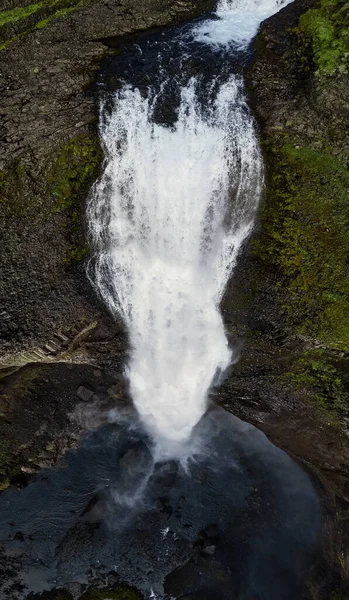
{"points": [[59, 13], [16, 14], [49, 9], [121, 592], [77, 255], [323, 382], [71, 174], [326, 30], [305, 237], [76, 165], [8, 42]]}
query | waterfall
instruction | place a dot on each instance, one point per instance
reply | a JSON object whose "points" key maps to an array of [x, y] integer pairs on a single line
{"points": [[238, 22], [168, 217]]}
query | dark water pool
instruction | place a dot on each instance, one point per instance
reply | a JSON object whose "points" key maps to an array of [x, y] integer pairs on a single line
{"points": [[241, 522]]}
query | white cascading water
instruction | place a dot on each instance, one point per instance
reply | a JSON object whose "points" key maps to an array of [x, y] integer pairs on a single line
{"points": [[168, 218], [238, 21]]}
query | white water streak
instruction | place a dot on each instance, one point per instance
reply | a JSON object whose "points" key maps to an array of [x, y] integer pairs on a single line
{"points": [[238, 22], [169, 216]]}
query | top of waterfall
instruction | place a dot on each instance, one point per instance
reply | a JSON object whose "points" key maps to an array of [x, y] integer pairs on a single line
{"points": [[238, 22]]}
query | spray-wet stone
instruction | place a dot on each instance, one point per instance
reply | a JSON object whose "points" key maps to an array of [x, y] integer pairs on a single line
{"points": [[241, 522]]}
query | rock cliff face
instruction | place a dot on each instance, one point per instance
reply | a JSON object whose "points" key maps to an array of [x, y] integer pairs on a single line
{"points": [[301, 96], [289, 300], [49, 153], [291, 290]]}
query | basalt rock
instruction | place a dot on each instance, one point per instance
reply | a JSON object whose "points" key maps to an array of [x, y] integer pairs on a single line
{"points": [[50, 154], [287, 306]]}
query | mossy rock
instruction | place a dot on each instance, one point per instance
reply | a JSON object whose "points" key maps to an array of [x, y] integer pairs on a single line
{"points": [[305, 238], [21, 20], [325, 30], [74, 169], [77, 255], [71, 177], [324, 380], [18, 13]]}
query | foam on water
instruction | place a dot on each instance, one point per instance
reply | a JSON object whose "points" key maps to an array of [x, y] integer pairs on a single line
{"points": [[168, 218], [237, 22]]}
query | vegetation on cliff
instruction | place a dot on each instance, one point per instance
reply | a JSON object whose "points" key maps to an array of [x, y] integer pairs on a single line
{"points": [[72, 174], [300, 273], [305, 234], [63, 192], [21, 20], [326, 30], [76, 164], [322, 379], [21, 12]]}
